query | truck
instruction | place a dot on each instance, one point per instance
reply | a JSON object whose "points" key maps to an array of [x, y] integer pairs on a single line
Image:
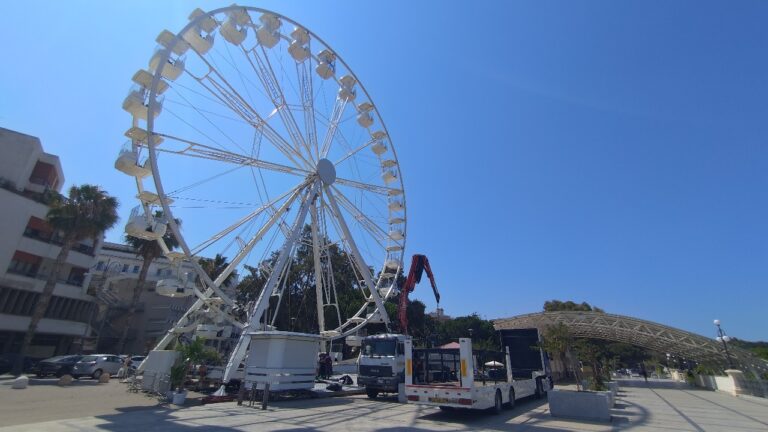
{"points": [[451, 378], [381, 364]]}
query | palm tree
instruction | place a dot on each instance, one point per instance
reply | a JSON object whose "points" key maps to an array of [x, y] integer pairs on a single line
{"points": [[215, 266], [86, 213], [147, 250]]}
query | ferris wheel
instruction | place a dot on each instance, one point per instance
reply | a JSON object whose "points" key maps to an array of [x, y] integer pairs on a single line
{"points": [[256, 134]]}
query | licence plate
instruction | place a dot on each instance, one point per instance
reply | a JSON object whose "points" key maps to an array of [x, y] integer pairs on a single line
{"points": [[442, 400]]}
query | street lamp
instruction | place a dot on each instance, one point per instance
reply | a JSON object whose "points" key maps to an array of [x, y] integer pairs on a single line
{"points": [[722, 337]]}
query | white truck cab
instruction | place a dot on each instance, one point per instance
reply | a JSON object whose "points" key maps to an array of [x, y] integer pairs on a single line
{"points": [[381, 364]]}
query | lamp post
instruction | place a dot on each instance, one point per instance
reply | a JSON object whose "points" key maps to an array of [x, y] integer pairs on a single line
{"points": [[722, 337]]}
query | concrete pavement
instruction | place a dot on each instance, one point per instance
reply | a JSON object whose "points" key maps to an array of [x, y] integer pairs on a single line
{"points": [[661, 406]]}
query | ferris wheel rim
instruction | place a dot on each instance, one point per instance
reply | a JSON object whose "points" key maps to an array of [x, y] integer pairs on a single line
{"points": [[157, 178]]}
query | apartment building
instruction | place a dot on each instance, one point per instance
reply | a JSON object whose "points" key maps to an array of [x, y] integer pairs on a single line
{"points": [[28, 250]]}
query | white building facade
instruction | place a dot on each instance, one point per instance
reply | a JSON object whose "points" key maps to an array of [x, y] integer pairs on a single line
{"points": [[28, 250]]}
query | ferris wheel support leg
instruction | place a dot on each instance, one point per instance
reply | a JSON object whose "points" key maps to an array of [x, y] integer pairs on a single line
{"points": [[170, 335], [238, 355], [364, 270], [318, 270]]}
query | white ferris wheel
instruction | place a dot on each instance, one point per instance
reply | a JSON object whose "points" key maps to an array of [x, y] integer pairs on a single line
{"points": [[258, 136]]}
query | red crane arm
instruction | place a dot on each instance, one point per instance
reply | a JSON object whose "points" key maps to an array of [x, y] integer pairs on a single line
{"points": [[419, 263]]}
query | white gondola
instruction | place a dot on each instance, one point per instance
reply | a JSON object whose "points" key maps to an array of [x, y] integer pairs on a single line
{"points": [[389, 176], [379, 147], [396, 220], [128, 162], [300, 35], [152, 198], [207, 331], [392, 263], [326, 65], [365, 119], [207, 24], [394, 192], [268, 34], [240, 16], [171, 69], [394, 248], [388, 163], [270, 22], [173, 287], [144, 79], [134, 104], [233, 32], [201, 44], [396, 206], [166, 38], [267, 38], [298, 51], [396, 235], [139, 227], [347, 90], [140, 135]]}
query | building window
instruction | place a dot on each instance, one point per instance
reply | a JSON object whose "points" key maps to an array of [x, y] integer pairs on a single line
{"points": [[135, 269], [25, 264]]}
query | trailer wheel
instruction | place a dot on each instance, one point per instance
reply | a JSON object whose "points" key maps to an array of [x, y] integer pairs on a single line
{"points": [[372, 394], [511, 403], [497, 405]]}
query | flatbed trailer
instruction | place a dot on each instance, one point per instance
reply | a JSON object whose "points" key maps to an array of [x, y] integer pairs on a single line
{"points": [[464, 379]]}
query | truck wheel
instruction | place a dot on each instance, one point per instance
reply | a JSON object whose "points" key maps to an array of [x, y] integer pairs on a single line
{"points": [[511, 403], [497, 405], [372, 394]]}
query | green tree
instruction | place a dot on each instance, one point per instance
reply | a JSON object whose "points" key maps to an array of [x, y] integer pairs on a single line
{"points": [[557, 341], [557, 305], [215, 266], [148, 251], [86, 213]]}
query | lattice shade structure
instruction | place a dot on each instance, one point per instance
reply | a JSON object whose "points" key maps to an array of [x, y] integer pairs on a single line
{"points": [[646, 334]]}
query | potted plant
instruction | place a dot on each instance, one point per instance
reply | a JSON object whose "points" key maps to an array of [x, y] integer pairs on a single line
{"points": [[191, 354]]}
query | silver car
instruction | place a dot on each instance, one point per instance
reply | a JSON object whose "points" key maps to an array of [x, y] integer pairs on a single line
{"points": [[97, 364]]}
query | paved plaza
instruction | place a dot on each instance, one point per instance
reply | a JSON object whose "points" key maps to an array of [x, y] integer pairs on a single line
{"points": [[660, 406]]}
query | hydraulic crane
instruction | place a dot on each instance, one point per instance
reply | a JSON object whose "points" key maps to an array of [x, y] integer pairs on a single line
{"points": [[419, 263]]}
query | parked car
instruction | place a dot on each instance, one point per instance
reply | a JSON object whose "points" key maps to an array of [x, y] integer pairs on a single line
{"points": [[7, 361], [97, 364], [57, 366], [136, 361]]}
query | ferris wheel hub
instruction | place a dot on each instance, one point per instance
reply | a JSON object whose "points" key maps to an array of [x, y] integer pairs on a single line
{"points": [[326, 171]]}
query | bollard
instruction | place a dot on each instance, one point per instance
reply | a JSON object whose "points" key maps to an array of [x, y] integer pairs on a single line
{"points": [[65, 380], [265, 397]]}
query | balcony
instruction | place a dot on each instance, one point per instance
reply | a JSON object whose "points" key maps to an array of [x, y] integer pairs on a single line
{"points": [[55, 239], [34, 274]]}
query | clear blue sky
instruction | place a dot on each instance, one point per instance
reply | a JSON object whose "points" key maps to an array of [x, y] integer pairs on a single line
{"points": [[608, 152]]}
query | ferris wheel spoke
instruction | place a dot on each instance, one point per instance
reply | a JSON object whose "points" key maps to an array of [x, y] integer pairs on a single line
{"points": [[285, 251], [361, 265], [378, 234], [263, 69], [333, 125], [227, 94], [269, 207], [354, 151], [382, 190], [318, 267], [304, 72], [246, 249], [195, 149]]}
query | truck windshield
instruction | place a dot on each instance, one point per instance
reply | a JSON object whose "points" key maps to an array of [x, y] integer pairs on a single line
{"points": [[379, 347]]}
